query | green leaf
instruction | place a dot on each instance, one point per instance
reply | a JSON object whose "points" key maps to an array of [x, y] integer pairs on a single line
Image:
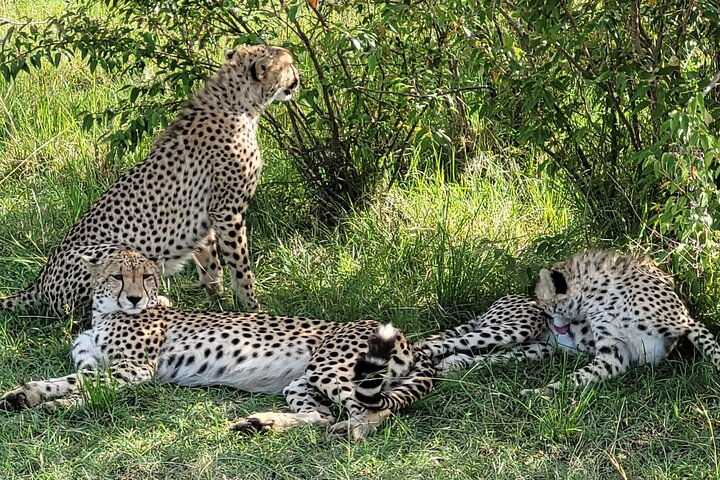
{"points": [[134, 93], [603, 76], [87, 122], [292, 12]]}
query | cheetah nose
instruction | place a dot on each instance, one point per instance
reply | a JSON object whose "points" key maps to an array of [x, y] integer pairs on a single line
{"points": [[134, 299]]}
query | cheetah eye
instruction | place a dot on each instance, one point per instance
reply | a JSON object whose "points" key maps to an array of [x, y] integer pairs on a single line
{"points": [[117, 277]]}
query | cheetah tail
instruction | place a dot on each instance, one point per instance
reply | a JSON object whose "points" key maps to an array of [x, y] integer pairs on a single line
{"points": [[703, 340], [388, 355], [21, 300]]}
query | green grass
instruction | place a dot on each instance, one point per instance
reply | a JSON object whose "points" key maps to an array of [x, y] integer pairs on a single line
{"points": [[425, 255]]}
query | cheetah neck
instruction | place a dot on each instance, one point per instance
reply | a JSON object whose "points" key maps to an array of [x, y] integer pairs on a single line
{"points": [[221, 94]]}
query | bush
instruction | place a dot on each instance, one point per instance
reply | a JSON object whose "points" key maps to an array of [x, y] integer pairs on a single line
{"points": [[372, 87]]}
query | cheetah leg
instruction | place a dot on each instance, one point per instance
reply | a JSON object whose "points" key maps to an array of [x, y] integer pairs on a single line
{"points": [[704, 340], [31, 394], [306, 403], [473, 343], [481, 336], [232, 237], [364, 417], [47, 392], [361, 420], [74, 400], [209, 269], [524, 351], [612, 359]]}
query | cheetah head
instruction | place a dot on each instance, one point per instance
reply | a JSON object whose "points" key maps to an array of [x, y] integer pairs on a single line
{"points": [[265, 73], [555, 293], [122, 281]]}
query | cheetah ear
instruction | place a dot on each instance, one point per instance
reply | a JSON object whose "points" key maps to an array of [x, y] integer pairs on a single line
{"points": [[559, 282], [90, 262], [229, 54], [260, 67]]}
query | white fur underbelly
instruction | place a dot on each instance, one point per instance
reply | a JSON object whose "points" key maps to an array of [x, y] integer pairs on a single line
{"points": [[648, 350], [262, 374]]}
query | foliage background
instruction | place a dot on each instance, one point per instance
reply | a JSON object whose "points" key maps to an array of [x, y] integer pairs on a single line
{"points": [[616, 100]]}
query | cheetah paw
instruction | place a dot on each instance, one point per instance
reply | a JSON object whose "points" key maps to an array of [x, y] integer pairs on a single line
{"points": [[263, 422], [350, 430], [164, 301], [544, 392], [17, 400], [453, 363], [358, 428], [251, 425], [54, 405]]}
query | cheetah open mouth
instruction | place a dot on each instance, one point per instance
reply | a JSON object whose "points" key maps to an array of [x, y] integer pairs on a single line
{"points": [[562, 330]]}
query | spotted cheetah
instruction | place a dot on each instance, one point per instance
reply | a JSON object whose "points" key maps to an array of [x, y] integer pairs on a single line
{"points": [[192, 189], [366, 368], [620, 309]]}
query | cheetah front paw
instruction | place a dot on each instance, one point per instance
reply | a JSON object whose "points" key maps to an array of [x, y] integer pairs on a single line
{"points": [[54, 405], [358, 428], [19, 399], [263, 422], [546, 392], [164, 301]]}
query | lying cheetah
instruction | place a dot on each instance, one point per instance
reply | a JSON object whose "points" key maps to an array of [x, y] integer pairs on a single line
{"points": [[194, 187], [620, 309], [365, 367]]}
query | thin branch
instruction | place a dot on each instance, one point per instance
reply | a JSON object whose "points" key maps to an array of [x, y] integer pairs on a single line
{"points": [[713, 83], [10, 21], [428, 96]]}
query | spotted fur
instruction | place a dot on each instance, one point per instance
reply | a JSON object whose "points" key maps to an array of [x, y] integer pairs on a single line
{"points": [[619, 309], [188, 197], [512, 319], [312, 362]]}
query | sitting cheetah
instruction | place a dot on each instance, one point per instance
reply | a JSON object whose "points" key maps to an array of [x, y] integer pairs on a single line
{"points": [[194, 187], [365, 367], [618, 308]]}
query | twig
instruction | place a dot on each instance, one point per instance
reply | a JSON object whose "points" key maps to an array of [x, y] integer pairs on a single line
{"points": [[10, 21], [426, 95], [713, 83]]}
